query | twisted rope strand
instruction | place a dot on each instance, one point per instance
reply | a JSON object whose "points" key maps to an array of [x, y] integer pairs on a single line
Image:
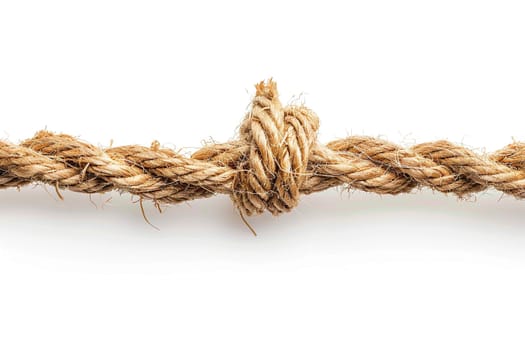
{"points": [[274, 161]]}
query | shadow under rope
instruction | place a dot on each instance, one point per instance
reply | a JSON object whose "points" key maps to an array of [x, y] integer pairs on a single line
{"points": [[335, 206]]}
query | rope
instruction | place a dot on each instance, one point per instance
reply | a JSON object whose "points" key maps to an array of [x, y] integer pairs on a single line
{"points": [[274, 161]]}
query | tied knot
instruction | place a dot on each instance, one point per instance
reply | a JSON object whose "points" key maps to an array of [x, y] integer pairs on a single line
{"points": [[279, 140]]}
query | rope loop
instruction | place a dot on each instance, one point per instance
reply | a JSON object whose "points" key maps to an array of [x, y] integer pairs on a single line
{"points": [[279, 140]]}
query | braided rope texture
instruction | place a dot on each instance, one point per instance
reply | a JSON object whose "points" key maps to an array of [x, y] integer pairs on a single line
{"points": [[275, 159]]}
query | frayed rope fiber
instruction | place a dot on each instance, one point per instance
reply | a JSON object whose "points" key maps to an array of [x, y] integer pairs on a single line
{"points": [[274, 161]]}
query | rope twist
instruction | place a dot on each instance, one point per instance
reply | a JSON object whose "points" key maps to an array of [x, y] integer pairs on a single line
{"points": [[275, 160]]}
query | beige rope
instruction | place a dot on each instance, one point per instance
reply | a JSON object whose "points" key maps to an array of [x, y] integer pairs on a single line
{"points": [[275, 159]]}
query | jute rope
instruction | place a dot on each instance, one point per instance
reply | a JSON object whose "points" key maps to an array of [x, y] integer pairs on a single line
{"points": [[274, 161]]}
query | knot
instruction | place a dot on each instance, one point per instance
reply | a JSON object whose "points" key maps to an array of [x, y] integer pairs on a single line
{"points": [[279, 140]]}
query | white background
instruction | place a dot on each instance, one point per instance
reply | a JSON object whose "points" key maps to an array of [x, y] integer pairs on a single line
{"points": [[343, 270]]}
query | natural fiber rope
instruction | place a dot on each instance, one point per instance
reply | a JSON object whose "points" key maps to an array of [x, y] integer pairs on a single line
{"points": [[275, 159]]}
